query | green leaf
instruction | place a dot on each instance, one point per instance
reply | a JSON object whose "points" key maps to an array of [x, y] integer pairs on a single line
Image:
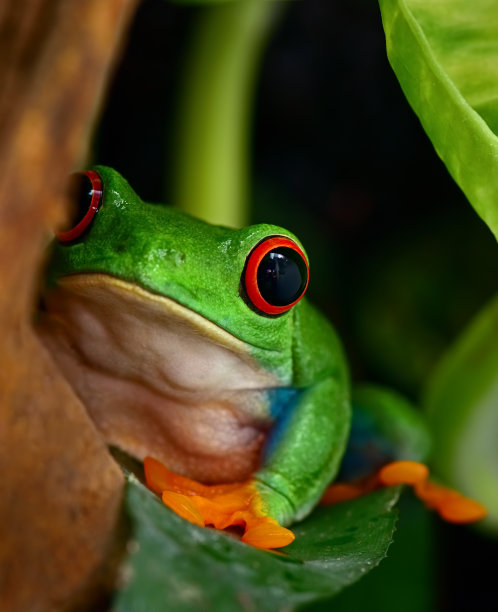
{"points": [[462, 407], [179, 566], [412, 560], [445, 55]]}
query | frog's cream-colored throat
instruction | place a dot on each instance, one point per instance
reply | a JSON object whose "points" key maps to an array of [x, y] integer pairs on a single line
{"points": [[159, 379], [170, 307]]}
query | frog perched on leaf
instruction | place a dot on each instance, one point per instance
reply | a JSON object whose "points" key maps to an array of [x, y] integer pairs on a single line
{"points": [[193, 348]]}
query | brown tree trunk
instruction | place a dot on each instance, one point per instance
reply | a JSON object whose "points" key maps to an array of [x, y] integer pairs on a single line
{"points": [[60, 491]]}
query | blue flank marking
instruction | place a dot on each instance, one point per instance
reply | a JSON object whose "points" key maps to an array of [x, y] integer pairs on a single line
{"points": [[367, 449], [282, 402]]}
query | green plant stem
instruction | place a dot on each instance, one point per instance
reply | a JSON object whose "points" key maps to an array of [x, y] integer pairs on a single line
{"points": [[211, 173]]}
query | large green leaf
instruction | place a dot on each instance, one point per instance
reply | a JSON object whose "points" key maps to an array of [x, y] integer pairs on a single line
{"points": [[179, 566], [462, 407], [410, 568], [445, 55]]}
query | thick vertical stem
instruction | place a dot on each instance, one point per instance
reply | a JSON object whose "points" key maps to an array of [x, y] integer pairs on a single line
{"points": [[210, 179]]}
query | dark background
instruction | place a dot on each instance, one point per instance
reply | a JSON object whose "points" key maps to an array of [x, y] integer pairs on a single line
{"points": [[399, 260]]}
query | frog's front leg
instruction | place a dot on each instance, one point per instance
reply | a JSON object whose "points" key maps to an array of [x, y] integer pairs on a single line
{"points": [[302, 456], [220, 506], [304, 450]]}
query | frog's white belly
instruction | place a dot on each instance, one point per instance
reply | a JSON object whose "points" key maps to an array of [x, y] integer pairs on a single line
{"points": [[159, 379]]}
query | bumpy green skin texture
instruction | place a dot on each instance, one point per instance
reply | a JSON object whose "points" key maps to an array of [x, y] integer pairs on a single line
{"points": [[308, 455], [200, 266]]}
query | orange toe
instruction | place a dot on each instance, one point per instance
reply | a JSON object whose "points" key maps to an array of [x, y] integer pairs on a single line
{"points": [[450, 504], [183, 506], [156, 475], [268, 534], [159, 478], [403, 472], [214, 512], [241, 507], [433, 494], [461, 510], [339, 492], [222, 506]]}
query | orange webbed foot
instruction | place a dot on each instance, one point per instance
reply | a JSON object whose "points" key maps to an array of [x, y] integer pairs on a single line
{"points": [[220, 506], [450, 505]]}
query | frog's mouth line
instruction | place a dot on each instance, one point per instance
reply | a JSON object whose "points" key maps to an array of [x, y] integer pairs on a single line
{"points": [[79, 283]]}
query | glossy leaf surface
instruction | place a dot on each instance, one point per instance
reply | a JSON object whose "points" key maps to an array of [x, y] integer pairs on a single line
{"points": [[179, 566], [445, 55]]}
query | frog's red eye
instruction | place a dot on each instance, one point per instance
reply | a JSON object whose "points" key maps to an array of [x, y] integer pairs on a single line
{"points": [[276, 275], [85, 194]]}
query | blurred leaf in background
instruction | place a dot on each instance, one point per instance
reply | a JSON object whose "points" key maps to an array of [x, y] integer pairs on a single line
{"points": [[211, 171], [462, 406]]}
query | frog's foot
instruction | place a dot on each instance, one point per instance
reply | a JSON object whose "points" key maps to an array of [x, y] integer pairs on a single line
{"points": [[222, 506], [451, 505]]}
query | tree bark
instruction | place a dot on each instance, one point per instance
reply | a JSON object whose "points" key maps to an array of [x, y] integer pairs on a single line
{"points": [[60, 491]]}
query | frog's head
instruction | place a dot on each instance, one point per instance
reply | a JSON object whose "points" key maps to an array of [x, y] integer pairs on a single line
{"points": [[149, 311], [246, 281]]}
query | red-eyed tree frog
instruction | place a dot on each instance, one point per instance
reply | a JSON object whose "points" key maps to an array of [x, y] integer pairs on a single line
{"points": [[193, 348]]}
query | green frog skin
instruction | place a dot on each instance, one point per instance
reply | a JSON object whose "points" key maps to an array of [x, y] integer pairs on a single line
{"points": [[149, 315]]}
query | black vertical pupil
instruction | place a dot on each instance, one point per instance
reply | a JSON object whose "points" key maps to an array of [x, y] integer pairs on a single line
{"points": [[80, 196], [282, 276]]}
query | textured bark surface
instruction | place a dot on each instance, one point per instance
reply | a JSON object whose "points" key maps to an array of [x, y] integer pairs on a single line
{"points": [[60, 491]]}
